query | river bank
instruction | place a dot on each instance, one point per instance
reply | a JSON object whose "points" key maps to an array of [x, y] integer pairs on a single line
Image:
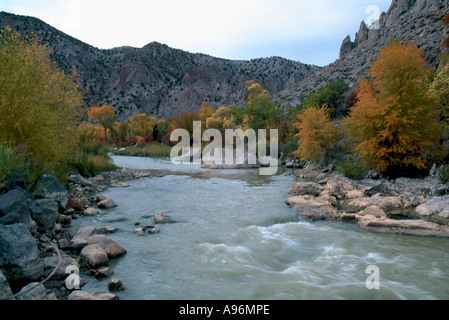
{"points": [[36, 238], [401, 206]]}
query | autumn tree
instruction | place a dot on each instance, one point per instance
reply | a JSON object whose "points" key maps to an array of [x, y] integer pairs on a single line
{"points": [[105, 115], [39, 104], [142, 125], [317, 134], [186, 121], [393, 125]]}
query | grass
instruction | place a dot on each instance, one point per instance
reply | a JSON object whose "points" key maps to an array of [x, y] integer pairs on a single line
{"points": [[89, 165], [15, 166]]}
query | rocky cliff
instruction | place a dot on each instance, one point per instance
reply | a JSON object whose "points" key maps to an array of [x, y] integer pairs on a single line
{"points": [[157, 79], [419, 21]]}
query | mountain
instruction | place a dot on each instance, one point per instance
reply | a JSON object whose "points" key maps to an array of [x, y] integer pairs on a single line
{"points": [[157, 79], [418, 21]]}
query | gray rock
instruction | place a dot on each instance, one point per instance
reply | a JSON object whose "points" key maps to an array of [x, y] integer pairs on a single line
{"points": [[112, 248], [19, 255], [84, 295], [161, 218], [434, 206], [90, 212], [306, 188], [51, 188], [115, 285], [21, 215], [107, 204], [78, 179], [80, 239], [312, 208], [32, 291], [94, 256], [50, 264], [346, 47], [13, 201], [104, 272], [45, 213], [5, 289]]}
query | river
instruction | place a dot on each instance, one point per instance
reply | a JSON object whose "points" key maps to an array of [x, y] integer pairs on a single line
{"points": [[235, 239]]}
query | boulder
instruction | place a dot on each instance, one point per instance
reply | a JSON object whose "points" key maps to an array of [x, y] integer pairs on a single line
{"points": [[435, 206], [378, 200], [13, 201], [312, 208], [50, 264], [5, 289], [84, 295], [104, 272], [115, 285], [306, 188], [90, 211], [94, 256], [21, 215], [80, 239], [112, 248], [373, 211], [161, 218], [45, 213], [51, 188], [106, 204], [32, 291], [19, 255], [409, 227], [78, 179]]}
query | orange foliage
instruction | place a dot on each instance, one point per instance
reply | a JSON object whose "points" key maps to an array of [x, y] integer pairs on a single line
{"points": [[105, 116], [317, 133], [394, 122]]}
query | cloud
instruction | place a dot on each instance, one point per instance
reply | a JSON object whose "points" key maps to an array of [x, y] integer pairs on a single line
{"points": [[218, 28]]}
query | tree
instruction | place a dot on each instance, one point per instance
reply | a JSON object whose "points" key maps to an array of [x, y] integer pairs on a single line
{"points": [[393, 125], [105, 116], [39, 104], [142, 125], [439, 90], [317, 134], [332, 95]]}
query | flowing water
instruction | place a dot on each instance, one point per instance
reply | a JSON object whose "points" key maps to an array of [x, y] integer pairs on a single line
{"points": [[236, 239]]}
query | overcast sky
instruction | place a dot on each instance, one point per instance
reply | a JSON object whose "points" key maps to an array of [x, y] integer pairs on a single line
{"points": [[310, 31]]}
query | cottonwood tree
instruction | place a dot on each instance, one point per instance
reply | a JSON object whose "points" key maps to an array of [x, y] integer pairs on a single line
{"points": [[39, 104], [394, 124], [105, 115], [317, 134]]}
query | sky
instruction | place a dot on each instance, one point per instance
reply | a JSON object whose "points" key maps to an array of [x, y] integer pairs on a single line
{"points": [[309, 31]]}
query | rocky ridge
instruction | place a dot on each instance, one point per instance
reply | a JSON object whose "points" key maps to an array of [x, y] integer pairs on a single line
{"points": [[418, 21], [157, 79]]}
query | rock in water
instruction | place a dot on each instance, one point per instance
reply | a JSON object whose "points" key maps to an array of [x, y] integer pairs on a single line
{"points": [[94, 256], [107, 204], [161, 218]]}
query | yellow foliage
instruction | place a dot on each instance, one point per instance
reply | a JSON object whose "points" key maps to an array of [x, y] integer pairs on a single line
{"points": [[317, 133], [39, 103], [393, 125]]}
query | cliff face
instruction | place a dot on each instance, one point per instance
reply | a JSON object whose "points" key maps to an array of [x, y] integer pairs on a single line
{"points": [[419, 21], [157, 79]]}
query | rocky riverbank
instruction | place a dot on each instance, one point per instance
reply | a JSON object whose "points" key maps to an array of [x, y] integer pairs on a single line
{"points": [[37, 248], [406, 206]]}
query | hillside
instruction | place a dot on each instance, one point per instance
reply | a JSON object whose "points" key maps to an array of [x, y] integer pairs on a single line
{"points": [[157, 79], [419, 21]]}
